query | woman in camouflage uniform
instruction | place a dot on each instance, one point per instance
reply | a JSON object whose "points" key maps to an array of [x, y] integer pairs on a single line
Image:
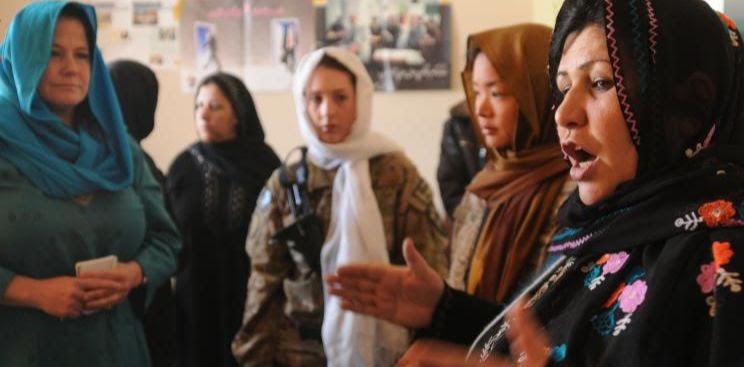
{"points": [[368, 198]]}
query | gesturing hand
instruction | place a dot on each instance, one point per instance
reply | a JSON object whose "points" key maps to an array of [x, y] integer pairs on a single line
{"points": [[528, 344], [115, 286], [406, 295]]}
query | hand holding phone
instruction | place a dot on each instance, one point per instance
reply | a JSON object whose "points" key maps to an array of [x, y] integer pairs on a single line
{"points": [[100, 263]]}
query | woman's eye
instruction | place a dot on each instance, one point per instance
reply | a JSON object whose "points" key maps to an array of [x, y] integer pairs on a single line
{"points": [[82, 55], [562, 85], [603, 84]]}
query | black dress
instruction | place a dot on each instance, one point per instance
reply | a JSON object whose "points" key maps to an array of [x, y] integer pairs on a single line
{"points": [[212, 200]]}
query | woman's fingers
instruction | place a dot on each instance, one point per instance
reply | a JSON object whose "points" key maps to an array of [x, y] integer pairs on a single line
{"points": [[528, 341], [104, 274], [88, 283], [414, 260], [104, 302]]}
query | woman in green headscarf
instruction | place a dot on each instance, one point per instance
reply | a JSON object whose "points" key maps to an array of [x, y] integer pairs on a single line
{"points": [[73, 188]]}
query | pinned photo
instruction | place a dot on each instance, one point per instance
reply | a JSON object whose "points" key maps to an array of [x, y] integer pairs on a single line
{"points": [[145, 13], [205, 39], [285, 41]]}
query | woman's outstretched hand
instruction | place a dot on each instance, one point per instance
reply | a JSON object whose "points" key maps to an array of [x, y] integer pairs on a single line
{"points": [[405, 295]]}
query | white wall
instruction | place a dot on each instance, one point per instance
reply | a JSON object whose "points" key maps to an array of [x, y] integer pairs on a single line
{"points": [[414, 119]]}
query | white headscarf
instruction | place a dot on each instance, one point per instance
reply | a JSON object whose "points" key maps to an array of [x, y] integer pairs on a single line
{"points": [[356, 232]]}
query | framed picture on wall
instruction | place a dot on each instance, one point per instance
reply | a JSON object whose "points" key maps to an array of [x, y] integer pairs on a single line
{"points": [[404, 44]]}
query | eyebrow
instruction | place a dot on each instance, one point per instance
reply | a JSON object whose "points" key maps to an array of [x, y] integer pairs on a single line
{"points": [[57, 45], [583, 66], [316, 91], [491, 83]]}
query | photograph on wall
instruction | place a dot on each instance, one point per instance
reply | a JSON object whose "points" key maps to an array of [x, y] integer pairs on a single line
{"points": [[145, 31], [145, 13], [212, 39], [277, 34], [405, 44], [284, 40], [205, 40]]}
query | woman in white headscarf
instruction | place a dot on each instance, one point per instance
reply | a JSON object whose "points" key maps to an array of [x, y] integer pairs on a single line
{"points": [[368, 198]]}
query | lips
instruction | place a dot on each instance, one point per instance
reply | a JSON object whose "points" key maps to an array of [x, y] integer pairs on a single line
{"points": [[67, 86], [328, 128], [582, 161], [489, 131]]}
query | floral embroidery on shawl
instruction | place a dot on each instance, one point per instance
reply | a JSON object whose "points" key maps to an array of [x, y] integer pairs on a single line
{"points": [[558, 354], [621, 305], [606, 265], [714, 274], [718, 213]]}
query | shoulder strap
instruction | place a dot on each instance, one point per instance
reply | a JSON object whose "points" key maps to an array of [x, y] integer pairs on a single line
{"points": [[295, 183]]}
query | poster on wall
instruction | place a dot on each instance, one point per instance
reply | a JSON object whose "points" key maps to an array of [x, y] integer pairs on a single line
{"points": [[145, 31], [405, 44], [211, 33], [277, 34]]}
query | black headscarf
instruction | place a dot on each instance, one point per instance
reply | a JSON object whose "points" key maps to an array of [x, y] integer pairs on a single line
{"points": [[137, 89], [678, 76], [247, 157]]}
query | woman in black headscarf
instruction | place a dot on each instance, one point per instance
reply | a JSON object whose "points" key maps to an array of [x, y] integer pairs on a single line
{"points": [[649, 114], [212, 187], [137, 91]]}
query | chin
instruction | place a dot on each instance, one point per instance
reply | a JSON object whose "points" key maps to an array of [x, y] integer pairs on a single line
{"points": [[495, 143], [591, 195], [330, 139]]}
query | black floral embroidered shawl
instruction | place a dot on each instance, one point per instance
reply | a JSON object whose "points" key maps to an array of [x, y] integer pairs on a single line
{"points": [[653, 274]]}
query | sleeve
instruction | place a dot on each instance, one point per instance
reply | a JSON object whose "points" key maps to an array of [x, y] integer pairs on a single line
{"points": [[180, 191], [420, 220], [5, 277], [459, 317], [159, 251], [452, 174], [728, 318], [256, 340]]}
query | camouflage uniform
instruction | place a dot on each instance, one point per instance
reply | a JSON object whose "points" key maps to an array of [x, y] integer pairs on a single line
{"points": [[284, 306]]}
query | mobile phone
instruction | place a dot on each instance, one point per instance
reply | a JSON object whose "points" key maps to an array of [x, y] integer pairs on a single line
{"points": [[100, 263]]}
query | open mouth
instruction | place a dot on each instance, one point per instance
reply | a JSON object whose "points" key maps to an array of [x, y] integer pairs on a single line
{"points": [[577, 155]]}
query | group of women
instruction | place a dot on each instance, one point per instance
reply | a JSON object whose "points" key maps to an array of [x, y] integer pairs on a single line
{"points": [[638, 102]]}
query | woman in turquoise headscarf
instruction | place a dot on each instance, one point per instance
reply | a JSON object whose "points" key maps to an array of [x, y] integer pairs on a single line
{"points": [[73, 187]]}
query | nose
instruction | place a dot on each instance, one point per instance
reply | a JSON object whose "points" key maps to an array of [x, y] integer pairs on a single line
{"points": [[483, 107], [326, 108], [202, 112], [69, 63], [571, 113]]}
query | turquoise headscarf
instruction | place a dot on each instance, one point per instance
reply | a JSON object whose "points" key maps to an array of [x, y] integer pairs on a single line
{"points": [[61, 162]]}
